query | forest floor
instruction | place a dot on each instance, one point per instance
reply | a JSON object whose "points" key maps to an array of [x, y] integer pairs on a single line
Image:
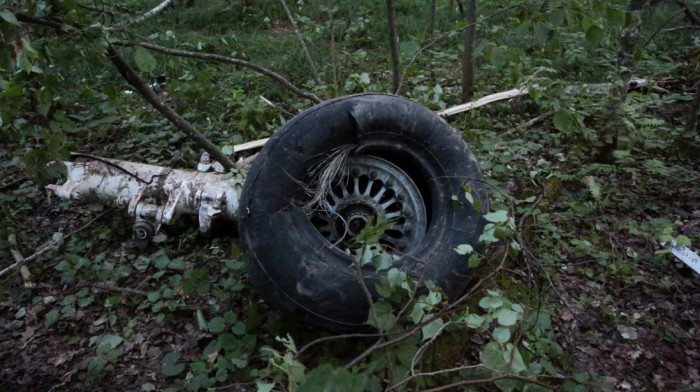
{"points": [[637, 325]]}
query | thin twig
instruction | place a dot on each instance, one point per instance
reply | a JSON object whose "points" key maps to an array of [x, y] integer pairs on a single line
{"points": [[435, 373], [223, 59], [52, 244], [410, 332], [488, 381], [336, 337], [365, 290], [12, 183], [421, 349], [662, 27], [304, 49]]}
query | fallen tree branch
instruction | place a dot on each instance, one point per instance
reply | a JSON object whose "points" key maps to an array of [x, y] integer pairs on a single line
{"points": [[23, 270], [133, 78], [223, 59], [51, 245], [12, 183]]}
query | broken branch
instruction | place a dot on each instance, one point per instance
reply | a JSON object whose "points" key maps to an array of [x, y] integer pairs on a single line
{"points": [[149, 95], [223, 59], [51, 245]]}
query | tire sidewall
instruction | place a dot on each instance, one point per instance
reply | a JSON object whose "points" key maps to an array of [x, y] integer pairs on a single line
{"points": [[294, 267]]}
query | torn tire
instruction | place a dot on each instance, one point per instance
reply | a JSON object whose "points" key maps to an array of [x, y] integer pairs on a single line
{"points": [[404, 162]]}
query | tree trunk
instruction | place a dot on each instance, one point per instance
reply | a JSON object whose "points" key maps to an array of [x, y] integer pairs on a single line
{"points": [[393, 46], [614, 118], [468, 65]]}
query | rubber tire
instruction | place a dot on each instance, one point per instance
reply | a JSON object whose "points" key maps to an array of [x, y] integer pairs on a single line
{"points": [[294, 268]]}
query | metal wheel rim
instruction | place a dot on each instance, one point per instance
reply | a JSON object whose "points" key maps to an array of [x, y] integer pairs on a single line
{"points": [[371, 187]]}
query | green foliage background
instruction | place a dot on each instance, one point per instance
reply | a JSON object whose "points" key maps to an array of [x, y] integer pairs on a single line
{"points": [[573, 229]]}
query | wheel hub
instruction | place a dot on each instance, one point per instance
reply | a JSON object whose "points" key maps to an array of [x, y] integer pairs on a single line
{"points": [[371, 189]]}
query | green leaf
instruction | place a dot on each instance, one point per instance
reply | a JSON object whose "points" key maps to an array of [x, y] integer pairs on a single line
{"points": [[638, 54], [493, 357], [594, 35], [556, 17], [615, 17], [144, 59], [501, 334], [153, 296], [201, 321], [264, 386], [474, 260], [217, 324], [498, 57], [507, 317], [171, 367], [382, 261], [364, 78], [433, 329], [490, 303], [108, 342], [417, 313], [542, 33], [683, 240], [9, 17], [464, 249], [326, 378], [51, 317], [474, 321], [499, 216], [239, 328], [227, 150], [177, 263], [489, 234], [384, 316], [563, 121]]}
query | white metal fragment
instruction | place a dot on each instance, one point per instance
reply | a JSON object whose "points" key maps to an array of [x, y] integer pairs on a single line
{"points": [[685, 254], [153, 194], [516, 92]]}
